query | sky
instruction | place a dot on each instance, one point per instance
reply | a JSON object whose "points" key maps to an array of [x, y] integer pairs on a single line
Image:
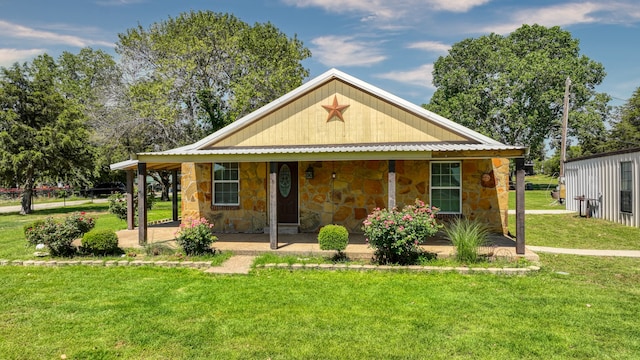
{"points": [[391, 44]]}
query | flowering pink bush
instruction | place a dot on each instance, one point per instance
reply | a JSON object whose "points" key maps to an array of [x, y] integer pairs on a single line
{"points": [[396, 235], [195, 237]]}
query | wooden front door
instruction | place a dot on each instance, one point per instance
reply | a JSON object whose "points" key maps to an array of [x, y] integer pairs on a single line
{"points": [[288, 192]]}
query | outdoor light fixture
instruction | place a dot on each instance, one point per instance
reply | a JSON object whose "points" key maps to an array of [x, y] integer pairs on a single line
{"points": [[308, 173], [333, 175]]}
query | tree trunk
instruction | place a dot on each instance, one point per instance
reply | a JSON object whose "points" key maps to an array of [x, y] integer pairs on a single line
{"points": [[164, 179], [27, 194]]}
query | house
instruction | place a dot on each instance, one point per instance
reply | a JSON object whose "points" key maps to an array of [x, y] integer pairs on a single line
{"points": [[331, 151], [605, 186]]}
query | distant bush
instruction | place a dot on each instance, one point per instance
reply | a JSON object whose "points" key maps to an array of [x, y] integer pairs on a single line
{"points": [[100, 242], [467, 236], [333, 237], [195, 237], [118, 204], [58, 236]]}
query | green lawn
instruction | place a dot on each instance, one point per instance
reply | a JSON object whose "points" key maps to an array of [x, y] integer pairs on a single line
{"points": [[588, 311], [12, 241], [573, 231]]}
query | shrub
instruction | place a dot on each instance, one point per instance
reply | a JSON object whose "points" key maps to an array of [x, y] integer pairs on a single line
{"points": [[81, 222], [467, 236], [195, 237], [396, 235], [333, 237], [118, 204], [34, 236], [100, 242], [58, 236]]}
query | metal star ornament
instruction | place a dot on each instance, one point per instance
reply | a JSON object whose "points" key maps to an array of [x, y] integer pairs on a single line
{"points": [[335, 110]]}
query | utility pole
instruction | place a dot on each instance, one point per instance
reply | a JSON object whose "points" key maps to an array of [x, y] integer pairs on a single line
{"points": [[563, 149]]}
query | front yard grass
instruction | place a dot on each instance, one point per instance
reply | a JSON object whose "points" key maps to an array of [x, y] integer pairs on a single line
{"points": [[575, 307], [12, 241], [575, 232]]}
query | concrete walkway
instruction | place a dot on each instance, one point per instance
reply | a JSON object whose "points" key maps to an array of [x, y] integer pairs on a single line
{"points": [[237, 264], [586, 252]]}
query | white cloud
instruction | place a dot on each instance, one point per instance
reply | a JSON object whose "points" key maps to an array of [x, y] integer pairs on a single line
{"points": [[421, 76], [9, 56], [569, 14], [457, 5], [379, 12], [335, 51], [12, 30], [430, 46]]}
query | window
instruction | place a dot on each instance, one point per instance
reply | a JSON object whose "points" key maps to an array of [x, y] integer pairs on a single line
{"points": [[626, 186], [226, 184], [446, 187]]}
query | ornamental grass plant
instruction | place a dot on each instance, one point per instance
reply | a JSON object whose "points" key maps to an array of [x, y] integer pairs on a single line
{"points": [[468, 237]]}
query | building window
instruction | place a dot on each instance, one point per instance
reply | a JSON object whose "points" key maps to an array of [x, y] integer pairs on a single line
{"points": [[446, 189], [626, 187], [226, 184]]}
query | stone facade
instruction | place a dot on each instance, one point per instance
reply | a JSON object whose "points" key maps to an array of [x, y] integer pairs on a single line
{"points": [[249, 217], [348, 197]]}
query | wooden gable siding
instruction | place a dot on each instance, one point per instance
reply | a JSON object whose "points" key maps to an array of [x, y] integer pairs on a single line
{"points": [[368, 119]]}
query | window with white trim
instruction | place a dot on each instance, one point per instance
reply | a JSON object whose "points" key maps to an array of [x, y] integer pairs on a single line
{"points": [[226, 184], [446, 187], [626, 187]]}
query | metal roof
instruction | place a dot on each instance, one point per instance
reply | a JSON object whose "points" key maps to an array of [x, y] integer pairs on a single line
{"points": [[350, 148]]}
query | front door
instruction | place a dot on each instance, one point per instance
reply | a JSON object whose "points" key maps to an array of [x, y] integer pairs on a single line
{"points": [[288, 192]]}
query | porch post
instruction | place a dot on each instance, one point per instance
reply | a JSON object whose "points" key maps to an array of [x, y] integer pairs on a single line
{"points": [[174, 190], [392, 185], [520, 244], [142, 204], [273, 206], [131, 213]]}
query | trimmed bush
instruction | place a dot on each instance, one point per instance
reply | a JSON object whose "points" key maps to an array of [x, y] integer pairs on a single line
{"points": [[100, 242], [396, 235], [195, 237], [467, 236], [333, 237]]}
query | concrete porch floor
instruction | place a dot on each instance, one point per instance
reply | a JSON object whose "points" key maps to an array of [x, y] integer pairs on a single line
{"points": [[306, 244]]}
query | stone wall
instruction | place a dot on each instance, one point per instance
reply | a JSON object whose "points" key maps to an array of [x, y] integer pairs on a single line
{"points": [[347, 199], [485, 192], [250, 216]]}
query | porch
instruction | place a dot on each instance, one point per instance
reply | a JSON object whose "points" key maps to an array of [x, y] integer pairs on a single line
{"points": [[306, 244]]}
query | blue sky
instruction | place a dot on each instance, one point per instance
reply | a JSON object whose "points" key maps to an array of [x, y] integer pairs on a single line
{"points": [[391, 44]]}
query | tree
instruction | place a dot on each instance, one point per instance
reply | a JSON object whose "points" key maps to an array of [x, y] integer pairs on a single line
{"points": [[43, 136], [194, 74], [210, 69], [511, 87], [625, 133]]}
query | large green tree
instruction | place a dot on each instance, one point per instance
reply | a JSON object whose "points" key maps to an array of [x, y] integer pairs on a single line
{"points": [[193, 74], [43, 135], [511, 87], [206, 69], [625, 132]]}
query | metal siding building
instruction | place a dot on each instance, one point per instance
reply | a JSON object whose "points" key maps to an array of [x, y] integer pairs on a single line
{"points": [[599, 179]]}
